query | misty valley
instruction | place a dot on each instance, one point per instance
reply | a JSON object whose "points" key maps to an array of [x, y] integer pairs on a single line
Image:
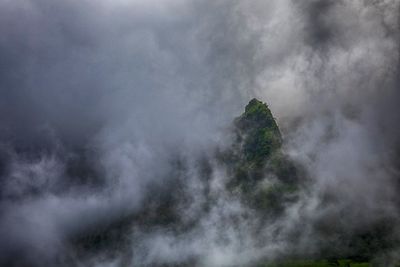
{"points": [[199, 133], [244, 191], [266, 184]]}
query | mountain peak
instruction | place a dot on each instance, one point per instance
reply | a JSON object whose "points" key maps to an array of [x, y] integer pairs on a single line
{"points": [[257, 115], [257, 151], [258, 135], [254, 104], [258, 120]]}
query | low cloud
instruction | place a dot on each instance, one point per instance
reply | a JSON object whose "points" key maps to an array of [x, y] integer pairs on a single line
{"points": [[100, 102]]}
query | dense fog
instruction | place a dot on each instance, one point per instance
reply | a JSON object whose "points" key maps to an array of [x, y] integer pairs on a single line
{"points": [[107, 108]]}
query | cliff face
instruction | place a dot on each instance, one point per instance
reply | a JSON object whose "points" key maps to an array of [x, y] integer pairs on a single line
{"points": [[259, 168], [258, 133]]}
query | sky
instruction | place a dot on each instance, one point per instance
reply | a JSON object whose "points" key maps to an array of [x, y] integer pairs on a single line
{"points": [[99, 98]]}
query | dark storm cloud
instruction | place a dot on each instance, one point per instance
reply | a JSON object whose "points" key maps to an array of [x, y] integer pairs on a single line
{"points": [[321, 29], [124, 86]]}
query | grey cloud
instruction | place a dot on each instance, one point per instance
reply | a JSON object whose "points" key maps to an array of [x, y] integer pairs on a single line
{"points": [[135, 84]]}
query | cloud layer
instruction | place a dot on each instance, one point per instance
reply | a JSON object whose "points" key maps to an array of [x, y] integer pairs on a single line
{"points": [[99, 99]]}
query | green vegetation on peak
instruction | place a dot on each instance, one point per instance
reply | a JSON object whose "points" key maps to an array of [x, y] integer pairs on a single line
{"points": [[256, 154], [258, 132], [259, 115]]}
